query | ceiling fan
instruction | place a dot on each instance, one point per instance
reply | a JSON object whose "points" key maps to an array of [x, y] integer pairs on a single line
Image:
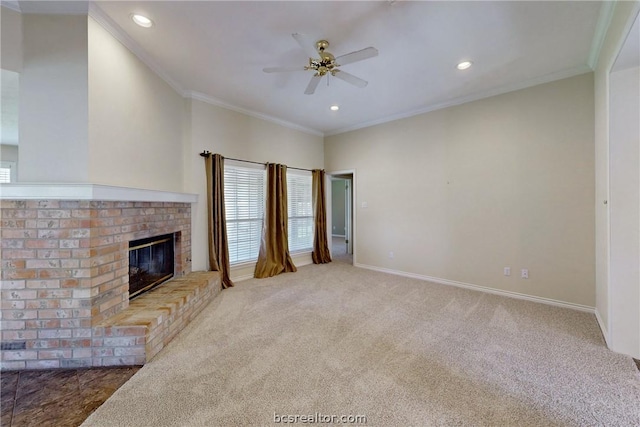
{"points": [[326, 63]]}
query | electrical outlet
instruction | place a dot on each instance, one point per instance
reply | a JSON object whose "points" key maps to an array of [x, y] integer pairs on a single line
{"points": [[507, 271], [524, 273], [391, 255]]}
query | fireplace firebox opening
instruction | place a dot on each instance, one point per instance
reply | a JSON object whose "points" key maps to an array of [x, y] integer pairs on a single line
{"points": [[151, 262]]}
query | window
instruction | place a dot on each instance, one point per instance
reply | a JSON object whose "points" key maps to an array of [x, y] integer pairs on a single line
{"points": [[7, 172], [244, 208], [300, 211]]}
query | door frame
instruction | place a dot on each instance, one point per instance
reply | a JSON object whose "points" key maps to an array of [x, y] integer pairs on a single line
{"points": [[354, 228]]}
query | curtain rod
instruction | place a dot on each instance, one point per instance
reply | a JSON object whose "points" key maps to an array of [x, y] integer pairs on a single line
{"points": [[206, 153]]}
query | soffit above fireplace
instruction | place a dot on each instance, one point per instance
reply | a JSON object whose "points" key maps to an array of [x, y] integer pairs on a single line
{"points": [[62, 191]]}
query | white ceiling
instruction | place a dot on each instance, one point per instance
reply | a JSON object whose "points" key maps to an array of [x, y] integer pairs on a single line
{"points": [[216, 51]]}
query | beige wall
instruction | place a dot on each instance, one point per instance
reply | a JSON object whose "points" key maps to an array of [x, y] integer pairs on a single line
{"points": [[10, 40], [53, 112], [244, 137], [8, 153], [461, 193], [135, 126]]}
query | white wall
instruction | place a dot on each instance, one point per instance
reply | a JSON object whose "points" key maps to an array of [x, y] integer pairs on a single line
{"points": [[623, 16], [237, 135], [461, 193], [135, 126], [624, 202], [10, 40], [53, 111]]}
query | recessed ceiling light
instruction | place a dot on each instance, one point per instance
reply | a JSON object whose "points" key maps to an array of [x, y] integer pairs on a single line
{"points": [[142, 20], [464, 65], [334, 108]]}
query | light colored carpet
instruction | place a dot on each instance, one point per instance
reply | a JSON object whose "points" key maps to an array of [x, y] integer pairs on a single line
{"points": [[339, 251], [335, 339]]}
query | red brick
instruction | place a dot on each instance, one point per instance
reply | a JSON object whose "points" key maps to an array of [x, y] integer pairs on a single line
{"points": [[43, 303], [14, 264], [55, 314], [19, 274], [19, 335], [41, 204], [54, 333], [43, 263], [12, 304], [55, 354], [19, 315], [12, 284], [53, 234], [44, 324], [18, 294], [43, 344], [43, 364], [54, 273], [19, 354], [48, 254], [42, 244], [54, 213], [48, 223], [18, 254], [55, 293], [6, 325], [12, 243], [12, 223], [43, 284]]}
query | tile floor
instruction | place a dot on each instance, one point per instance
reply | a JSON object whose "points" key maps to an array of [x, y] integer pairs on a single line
{"points": [[61, 397]]}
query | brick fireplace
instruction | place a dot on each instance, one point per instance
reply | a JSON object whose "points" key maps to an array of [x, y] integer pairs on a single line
{"points": [[65, 272]]}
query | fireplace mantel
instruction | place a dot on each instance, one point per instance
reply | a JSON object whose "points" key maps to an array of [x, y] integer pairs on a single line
{"points": [[73, 191]]}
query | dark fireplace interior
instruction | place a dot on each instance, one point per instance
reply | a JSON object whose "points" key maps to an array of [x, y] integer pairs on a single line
{"points": [[151, 262]]}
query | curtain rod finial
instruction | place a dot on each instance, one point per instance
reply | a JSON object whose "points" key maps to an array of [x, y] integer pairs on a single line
{"points": [[205, 153]]}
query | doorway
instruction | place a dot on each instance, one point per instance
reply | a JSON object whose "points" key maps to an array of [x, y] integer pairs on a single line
{"points": [[342, 217]]}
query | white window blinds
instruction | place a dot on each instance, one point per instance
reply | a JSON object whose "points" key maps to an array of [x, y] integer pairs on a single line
{"points": [[300, 207], [7, 172], [244, 206], [5, 175]]}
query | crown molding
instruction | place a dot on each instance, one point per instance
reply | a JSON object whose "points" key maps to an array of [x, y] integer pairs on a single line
{"points": [[54, 7], [119, 34], [465, 99], [604, 20], [219, 103], [13, 5]]}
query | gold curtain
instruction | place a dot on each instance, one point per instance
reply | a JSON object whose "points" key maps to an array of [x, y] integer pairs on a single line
{"points": [[320, 254], [218, 248], [274, 257]]}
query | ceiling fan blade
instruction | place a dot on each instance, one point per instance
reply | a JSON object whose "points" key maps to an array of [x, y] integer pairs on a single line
{"points": [[282, 69], [306, 44], [350, 78], [313, 84], [358, 55]]}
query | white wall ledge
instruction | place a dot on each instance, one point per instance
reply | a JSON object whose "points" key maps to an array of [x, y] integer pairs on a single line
{"points": [[62, 191]]}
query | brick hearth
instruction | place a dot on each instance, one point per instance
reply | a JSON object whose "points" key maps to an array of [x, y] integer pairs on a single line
{"points": [[65, 272]]}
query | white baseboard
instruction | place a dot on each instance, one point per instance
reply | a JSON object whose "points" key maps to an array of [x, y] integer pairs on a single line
{"points": [[603, 327], [299, 260], [473, 287], [242, 278]]}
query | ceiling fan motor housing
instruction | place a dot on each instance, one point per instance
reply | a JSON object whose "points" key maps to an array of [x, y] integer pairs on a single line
{"points": [[326, 63]]}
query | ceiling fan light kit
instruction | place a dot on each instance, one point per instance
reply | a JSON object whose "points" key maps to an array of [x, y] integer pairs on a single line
{"points": [[322, 63]]}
